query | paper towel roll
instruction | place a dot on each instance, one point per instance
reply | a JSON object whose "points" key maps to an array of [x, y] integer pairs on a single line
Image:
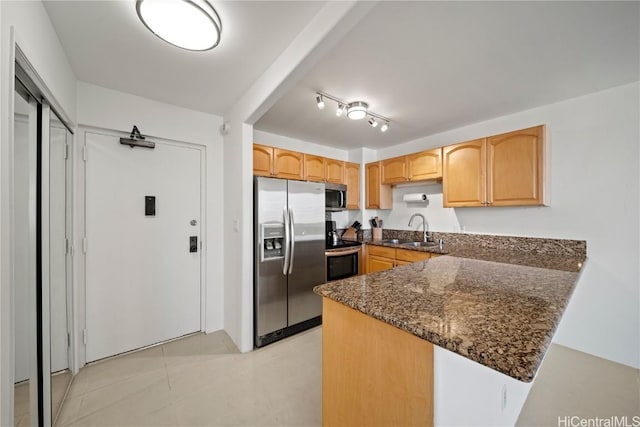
{"points": [[414, 197]]}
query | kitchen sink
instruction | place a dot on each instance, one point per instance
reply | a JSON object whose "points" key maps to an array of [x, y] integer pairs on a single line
{"points": [[394, 241], [419, 244]]}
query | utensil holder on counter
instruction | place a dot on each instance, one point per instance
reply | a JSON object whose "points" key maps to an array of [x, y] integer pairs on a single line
{"points": [[376, 233]]}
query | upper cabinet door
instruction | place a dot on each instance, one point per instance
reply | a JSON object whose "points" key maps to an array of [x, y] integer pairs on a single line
{"points": [[394, 170], [352, 174], [378, 196], [372, 175], [514, 168], [425, 165], [262, 160], [314, 168], [334, 171], [464, 174], [288, 164]]}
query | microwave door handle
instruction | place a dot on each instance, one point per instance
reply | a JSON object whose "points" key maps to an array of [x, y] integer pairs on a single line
{"points": [[285, 260], [293, 240], [341, 199]]}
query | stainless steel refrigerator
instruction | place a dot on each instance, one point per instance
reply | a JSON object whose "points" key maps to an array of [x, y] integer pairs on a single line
{"points": [[289, 257]]}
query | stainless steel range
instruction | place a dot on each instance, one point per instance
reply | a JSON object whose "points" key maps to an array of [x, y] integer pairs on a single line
{"points": [[342, 257]]}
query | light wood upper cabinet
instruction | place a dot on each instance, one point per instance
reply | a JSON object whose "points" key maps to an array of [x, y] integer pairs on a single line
{"points": [[422, 166], [334, 171], [262, 160], [378, 196], [501, 170], [425, 165], [514, 168], [314, 168], [288, 164], [464, 174], [352, 178], [394, 170]]}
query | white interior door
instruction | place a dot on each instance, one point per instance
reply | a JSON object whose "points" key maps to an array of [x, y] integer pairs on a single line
{"points": [[142, 281]]}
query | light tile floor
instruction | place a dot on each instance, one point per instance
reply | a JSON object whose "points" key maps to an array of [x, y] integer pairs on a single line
{"points": [[571, 383], [203, 380]]}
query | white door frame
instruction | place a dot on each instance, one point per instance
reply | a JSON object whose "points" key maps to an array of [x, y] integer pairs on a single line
{"points": [[203, 224]]}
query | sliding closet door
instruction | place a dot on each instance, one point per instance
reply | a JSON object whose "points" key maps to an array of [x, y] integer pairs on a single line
{"points": [[59, 294], [25, 258]]}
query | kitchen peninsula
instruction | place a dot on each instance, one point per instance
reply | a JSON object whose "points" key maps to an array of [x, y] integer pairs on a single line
{"points": [[499, 308]]}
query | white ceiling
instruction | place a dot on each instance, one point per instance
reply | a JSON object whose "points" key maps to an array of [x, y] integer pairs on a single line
{"points": [[434, 66], [107, 45]]}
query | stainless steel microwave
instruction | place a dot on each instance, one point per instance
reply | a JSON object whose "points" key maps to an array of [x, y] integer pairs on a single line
{"points": [[335, 197]]}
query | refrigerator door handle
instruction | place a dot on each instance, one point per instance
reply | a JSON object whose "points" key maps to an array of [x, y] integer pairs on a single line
{"points": [[285, 261], [293, 240]]}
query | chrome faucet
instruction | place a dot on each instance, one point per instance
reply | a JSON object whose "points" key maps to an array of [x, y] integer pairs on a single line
{"points": [[425, 232]]}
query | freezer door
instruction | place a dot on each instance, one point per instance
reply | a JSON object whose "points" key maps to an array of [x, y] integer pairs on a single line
{"points": [[270, 280], [306, 207]]}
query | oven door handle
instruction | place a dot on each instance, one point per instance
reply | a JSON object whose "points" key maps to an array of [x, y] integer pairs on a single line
{"points": [[344, 252]]}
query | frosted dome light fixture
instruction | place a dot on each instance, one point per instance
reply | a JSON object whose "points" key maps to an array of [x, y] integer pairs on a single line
{"points": [[187, 24], [356, 110]]}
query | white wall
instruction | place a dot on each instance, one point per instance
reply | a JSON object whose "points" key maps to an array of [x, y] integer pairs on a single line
{"points": [[36, 37], [594, 182], [468, 394], [274, 140], [238, 234], [108, 109], [38, 40]]}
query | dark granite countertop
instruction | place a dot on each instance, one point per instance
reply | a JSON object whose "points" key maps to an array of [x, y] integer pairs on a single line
{"points": [[498, 308], [531, 258]]}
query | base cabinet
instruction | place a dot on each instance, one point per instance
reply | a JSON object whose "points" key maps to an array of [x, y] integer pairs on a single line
{"points": [[373, 374], [381, 258]]}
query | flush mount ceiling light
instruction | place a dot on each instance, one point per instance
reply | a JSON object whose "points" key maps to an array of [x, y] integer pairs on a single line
{"points": [[356, 110], [188, 24]]}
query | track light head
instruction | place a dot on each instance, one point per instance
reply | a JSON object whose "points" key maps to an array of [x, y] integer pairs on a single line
{"points": [[384, 127], [373, 122], [340, 110], [320, 101]]}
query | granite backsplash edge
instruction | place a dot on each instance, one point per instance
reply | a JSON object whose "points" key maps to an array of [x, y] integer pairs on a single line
{"points": [[550, 246]]}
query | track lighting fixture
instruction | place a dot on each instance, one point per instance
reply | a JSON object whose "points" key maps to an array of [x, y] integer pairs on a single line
{"points": [[356, 110]]}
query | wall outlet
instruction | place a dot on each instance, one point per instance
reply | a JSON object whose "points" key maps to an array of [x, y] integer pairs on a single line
{"points": [[236, 225], [503, 398]]}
